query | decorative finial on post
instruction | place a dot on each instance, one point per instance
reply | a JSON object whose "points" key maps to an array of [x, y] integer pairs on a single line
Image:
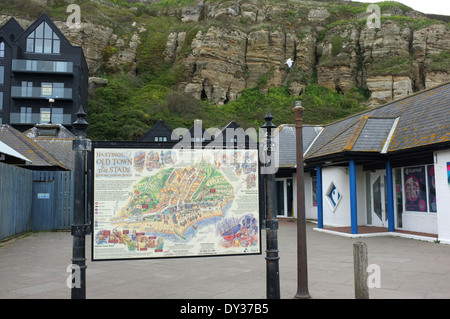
{"points": [[268, 125], [298, 111], [80, 125]]}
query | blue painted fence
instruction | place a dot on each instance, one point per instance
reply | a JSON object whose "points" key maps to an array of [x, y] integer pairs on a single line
{"points": [[16, 185], [52, 200], [34, 200]]}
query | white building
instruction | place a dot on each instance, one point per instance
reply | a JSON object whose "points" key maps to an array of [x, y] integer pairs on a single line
{"points": [[385, 167]]}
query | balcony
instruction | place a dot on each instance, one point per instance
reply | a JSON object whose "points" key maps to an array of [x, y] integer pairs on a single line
{"points": [[22, 92], [35, 118], [40, 66]]}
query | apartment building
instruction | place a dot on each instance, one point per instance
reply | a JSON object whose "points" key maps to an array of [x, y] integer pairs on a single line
{"points": [[43, 77]]}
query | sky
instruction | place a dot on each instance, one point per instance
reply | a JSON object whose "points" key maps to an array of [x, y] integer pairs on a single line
{"points": [[425, 6]]}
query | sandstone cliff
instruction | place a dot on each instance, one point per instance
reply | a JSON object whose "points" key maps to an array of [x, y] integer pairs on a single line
{"points": [[222, 48]]}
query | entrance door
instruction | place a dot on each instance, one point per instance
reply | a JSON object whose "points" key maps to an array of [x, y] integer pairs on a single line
{"points": [[378, 199], [44, 206], [285, 197]]}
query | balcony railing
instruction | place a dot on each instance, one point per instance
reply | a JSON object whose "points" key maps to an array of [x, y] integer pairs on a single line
{"points": [[40, 66], [35, 118], [41, 93]]}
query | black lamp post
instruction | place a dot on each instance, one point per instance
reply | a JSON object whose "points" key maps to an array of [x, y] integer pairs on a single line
{"points": [[272, 270], [302, 273], [79, 227]]}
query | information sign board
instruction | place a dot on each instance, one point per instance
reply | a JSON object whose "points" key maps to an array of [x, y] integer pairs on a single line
{"points": [[159, 203]]}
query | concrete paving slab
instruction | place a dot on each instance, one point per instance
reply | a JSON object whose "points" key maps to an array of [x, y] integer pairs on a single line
{"points": [[35, 267]]}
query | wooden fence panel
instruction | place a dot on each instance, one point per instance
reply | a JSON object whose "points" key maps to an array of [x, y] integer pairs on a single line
{"points": [[15, 200], [60, 215], [24, 195]]}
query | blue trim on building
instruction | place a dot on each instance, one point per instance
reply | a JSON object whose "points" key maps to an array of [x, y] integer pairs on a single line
{"points": [[353, 196], [319, 197], [390, 197]]}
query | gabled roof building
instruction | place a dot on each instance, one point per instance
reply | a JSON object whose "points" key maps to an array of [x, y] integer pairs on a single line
{"points": [[385, 167], [43, 77]]}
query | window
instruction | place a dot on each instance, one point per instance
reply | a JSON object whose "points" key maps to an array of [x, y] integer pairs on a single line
{"points": [[333, 195], [27, 89], [43, 40], [1, 100], [2, 49], [399, 197], [25, 114], [49, 89], [419, 189], [56, 114], [160, 139], [285, 197], [2, 75]]}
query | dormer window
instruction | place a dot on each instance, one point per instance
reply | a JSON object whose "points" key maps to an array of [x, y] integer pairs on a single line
{"points": [[43, 40]]}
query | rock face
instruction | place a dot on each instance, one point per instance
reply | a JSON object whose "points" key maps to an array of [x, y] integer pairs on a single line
{"points": [[244, 44], [223, 63], [392, 61]]}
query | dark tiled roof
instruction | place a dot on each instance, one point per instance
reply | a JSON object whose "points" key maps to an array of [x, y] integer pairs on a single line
{"points": [[423, 119], [28, 148], [286, 142], [58, 146]]}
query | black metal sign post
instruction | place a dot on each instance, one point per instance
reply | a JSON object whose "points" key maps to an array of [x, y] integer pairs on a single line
{"points": [[302, 273], [79, 227], [272, 258]]}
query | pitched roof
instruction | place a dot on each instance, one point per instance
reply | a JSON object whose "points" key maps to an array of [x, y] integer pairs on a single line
{"points": [[286, 142], [155, 130], [10, 152], [28, 148], [58, 143], [418, 120]]}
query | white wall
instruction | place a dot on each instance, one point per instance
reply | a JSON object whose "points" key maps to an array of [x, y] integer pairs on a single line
{"points": [[310, 210], [442, 195], [340, 216]]}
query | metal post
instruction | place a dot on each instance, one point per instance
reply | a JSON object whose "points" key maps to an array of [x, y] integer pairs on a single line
{"points": [[51, 101], [79, 227], [272, 270], [302, 267], [360, 262]]}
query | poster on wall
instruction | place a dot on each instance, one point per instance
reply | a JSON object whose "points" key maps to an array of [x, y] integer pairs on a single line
{"points": [[159, 203], [415, 189], [448, 172]]}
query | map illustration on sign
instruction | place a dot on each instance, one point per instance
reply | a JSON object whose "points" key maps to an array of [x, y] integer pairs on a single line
{"points": [[158, 203]]}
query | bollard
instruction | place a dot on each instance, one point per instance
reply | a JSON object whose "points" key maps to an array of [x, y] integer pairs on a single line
{"points": [[360, 262]]}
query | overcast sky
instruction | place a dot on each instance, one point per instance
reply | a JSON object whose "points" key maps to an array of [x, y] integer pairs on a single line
{"points": [[424, 6]]}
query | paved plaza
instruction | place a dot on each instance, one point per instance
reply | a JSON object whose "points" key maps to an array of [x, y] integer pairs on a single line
{"points": [[34, 266]]}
